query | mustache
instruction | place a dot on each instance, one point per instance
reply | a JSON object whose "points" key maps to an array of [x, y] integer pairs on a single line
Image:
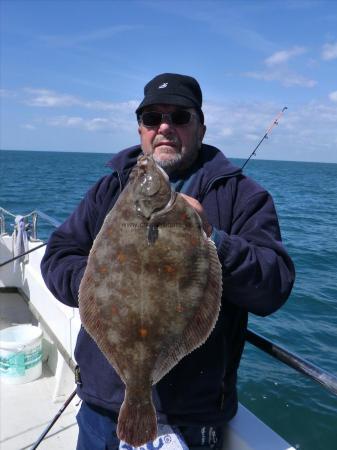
{"points": [[160, 139]]}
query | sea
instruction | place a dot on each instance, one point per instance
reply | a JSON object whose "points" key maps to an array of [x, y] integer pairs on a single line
{"points": [[305, 195]]}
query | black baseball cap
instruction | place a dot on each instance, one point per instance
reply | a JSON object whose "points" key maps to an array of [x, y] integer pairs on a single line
{"points": [[173, 89]]}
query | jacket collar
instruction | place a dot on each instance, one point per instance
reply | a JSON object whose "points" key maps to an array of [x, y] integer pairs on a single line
{"points": [[211, 166]]}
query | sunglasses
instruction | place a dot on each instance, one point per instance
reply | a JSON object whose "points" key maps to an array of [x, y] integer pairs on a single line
{"points": [[155, 118]]}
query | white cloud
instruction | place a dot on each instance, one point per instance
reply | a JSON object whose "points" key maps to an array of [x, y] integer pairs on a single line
{"points": [[283, 56], [226, 131], [28, 126], [329, 51], [243, 121], [91, 124], [325, 112], [115, 122], [6, 93], [89, 36], [97, 123], [277, 69], [333, 96], [252, 137], [48, 98], [111, 116], [64, 121], [285, 77], [127, 106], [310, 126]]}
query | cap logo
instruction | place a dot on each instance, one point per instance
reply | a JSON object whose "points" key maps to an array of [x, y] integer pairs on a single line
{"points": [[163, 86]]}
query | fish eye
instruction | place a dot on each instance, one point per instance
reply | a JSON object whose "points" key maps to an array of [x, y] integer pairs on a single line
{"points": [[149, 185]]}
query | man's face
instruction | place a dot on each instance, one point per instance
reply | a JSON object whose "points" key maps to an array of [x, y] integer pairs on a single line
{"points": [[173, 147]]}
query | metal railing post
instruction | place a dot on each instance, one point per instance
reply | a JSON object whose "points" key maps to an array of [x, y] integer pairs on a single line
{"points": [[2, 222], [34, 226]]}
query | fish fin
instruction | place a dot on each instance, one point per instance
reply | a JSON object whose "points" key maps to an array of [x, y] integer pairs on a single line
{"points": [[137, 422], [92, 322], [88, 308], [201, 325]]}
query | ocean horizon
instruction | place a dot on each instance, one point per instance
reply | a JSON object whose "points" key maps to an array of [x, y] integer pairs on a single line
{"points": [[305, 196], [234, 158]]}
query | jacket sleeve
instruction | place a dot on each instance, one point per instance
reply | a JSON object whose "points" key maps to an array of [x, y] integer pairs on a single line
{"points": [[258, 273], [66, 255]]}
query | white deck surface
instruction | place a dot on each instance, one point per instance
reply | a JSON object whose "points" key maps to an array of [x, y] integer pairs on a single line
{"points": [[27, 409]]}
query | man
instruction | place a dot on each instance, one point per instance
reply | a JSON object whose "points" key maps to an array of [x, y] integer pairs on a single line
{"points": [[198, 396]]}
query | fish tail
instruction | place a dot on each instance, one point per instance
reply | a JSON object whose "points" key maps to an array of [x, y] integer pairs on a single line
{"points": [[137, 422]]}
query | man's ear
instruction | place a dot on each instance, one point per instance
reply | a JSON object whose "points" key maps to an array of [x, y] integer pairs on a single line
{"points": [[202, 131]]}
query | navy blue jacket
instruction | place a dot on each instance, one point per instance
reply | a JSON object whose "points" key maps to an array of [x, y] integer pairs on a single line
{"points": [[258, 276]]}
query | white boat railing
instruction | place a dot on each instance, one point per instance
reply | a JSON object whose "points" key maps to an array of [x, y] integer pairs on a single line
{"points": [[60, 322], [32, 227]]}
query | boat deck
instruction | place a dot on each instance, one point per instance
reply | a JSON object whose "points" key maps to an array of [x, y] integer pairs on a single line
{"points": [[27, 409]]}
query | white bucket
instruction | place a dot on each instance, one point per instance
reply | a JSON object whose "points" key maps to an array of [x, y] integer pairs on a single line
{"points": [[20, 354]]}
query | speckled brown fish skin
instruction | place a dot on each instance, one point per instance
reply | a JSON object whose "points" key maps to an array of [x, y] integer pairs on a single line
{"points": [[151, 291]]}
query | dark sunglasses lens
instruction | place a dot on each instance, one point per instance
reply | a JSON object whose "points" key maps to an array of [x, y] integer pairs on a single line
{"points": [[154, 118], [151, 119], [180, 117]]}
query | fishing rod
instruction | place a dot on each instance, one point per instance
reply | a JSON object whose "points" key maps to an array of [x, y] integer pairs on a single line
{"points": [[54, 420], [22, 254], [78, 381], [324, 378], [265, 136]]}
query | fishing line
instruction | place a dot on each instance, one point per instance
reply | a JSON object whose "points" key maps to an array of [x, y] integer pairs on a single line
{"points": [[265, 136]]}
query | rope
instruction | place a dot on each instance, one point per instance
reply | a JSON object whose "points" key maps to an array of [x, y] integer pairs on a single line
{"points": [[15, 215]]}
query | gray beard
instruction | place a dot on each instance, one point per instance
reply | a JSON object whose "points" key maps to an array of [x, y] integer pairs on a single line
{"points": [[170, 165]]}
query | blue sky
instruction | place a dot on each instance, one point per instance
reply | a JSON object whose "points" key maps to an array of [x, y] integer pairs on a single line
{"points": [[73, 72]]}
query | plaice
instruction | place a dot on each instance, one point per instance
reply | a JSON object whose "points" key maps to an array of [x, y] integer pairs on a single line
{"points": [[151, 291]]}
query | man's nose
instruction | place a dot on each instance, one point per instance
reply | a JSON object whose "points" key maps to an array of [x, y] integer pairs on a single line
{"points": [[165, 126]]}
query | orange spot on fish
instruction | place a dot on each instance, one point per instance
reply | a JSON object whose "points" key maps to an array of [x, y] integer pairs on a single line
{"points": [[184, 216], [114, 310], [121, 257], [103, 269], [143, 332], [169, 269], [179, 309], [193, 241]]}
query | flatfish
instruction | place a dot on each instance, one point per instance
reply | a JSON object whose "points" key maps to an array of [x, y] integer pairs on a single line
{"points": [[151, 291]]}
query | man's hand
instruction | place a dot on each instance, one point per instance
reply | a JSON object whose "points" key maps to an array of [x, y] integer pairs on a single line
{"points": [[200, 210]]}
